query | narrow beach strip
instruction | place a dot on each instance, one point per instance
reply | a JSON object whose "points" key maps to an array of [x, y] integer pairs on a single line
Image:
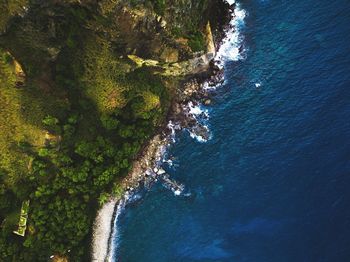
{"points": [[102, 231]]}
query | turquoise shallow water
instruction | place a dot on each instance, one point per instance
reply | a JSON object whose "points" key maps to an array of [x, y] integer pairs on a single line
{"points": [[273, 182]]}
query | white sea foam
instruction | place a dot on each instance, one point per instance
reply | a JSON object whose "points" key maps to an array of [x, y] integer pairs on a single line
{"points": [[173, 127], [200, 139], [231, 49], [232, 46], [115, 236], [197, 110], [169, 162], [201, 116], [177, 192], [206, 86]]}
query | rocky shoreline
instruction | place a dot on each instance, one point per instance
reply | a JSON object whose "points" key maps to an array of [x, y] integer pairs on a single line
{"points": [[147, 169]]}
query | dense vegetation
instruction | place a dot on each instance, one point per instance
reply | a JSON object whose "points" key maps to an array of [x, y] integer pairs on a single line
{"points": [[74, 114]]}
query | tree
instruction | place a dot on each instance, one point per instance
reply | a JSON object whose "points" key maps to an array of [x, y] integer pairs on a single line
{"points": [[103, 198], [109, 122], [50, 121]]}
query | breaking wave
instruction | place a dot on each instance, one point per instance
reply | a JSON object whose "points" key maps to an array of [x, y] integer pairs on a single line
{"points": [[232, 48]]}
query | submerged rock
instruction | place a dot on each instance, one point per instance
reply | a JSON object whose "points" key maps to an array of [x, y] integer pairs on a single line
{"points": [[201, 131]]}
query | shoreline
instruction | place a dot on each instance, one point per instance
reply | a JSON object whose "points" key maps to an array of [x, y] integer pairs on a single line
{"points": [[147, 169]]}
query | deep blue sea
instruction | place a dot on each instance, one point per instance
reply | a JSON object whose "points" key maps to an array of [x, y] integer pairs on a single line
{"points": [[273, 182]]}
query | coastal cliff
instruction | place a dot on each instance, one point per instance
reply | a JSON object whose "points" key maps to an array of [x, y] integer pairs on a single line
{"points": [[85, 86]]}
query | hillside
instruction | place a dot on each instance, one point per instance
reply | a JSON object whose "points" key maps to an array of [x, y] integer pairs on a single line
{"points": [[75, 110]]}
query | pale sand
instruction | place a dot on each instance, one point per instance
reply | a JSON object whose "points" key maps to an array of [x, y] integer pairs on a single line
{"points": [[102, 231]]}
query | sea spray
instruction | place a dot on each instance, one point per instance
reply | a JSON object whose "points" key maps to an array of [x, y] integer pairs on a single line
{"points": [[200, 131], [232, 47]]}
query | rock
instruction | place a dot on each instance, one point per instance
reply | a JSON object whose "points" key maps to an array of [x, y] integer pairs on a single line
{"points": [[182, 41], [161, 171], [177, 109], [210, 42], [207, 102], [201, 131], [163, 23]]}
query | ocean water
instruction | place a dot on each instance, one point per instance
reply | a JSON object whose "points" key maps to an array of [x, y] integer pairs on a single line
{"points": [[273, 182]]}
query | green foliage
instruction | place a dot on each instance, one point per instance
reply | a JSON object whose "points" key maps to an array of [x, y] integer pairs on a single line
{"points": [[109, 122], [19, 129], [43, 152], [103, 75], [50, 121], [103, 198], [117, 190], [196, 41], [11, 8], [159, 6]]}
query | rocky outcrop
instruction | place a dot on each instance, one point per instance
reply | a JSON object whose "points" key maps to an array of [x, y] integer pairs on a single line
{"points": [[209, 41], [191, 66]]}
